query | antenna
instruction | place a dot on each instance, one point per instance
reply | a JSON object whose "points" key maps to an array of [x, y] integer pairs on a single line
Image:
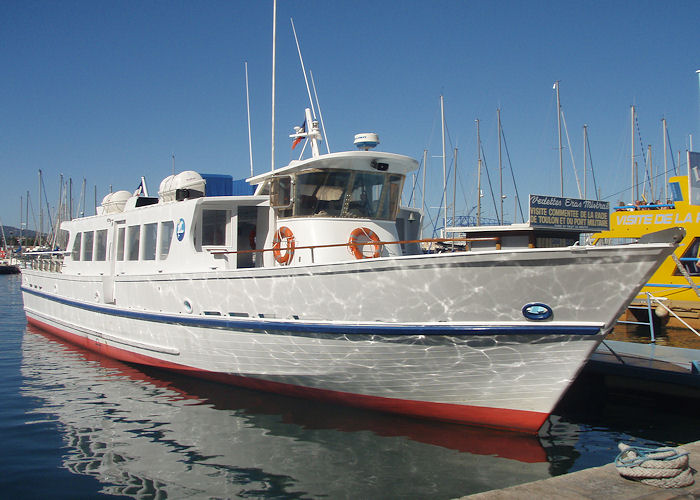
{"points": [[247, 100], [303, 70], [320, 115]]}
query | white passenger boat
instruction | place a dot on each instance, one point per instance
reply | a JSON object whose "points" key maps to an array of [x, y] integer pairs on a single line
{"points": [[315, 285]]}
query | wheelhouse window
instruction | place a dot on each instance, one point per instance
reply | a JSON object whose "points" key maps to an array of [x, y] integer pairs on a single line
{"points": [[321, 193], [75, 252], [101, 245], [214, 223], [149, 241], [88, 239], [132, 242], [166, 237], [338, 193], [281, 195]]}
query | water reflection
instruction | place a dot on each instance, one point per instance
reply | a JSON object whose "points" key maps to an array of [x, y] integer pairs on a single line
{"points": [[150, 434]]}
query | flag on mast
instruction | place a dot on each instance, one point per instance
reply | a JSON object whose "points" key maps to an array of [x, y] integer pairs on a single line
{"points": [[300, 130]]}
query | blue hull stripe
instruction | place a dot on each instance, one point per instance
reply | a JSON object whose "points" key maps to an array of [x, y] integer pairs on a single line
{"points": [[299, 326]]}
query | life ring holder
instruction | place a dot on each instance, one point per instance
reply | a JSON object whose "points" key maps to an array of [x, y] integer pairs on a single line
{"points": [[354, 244], [283, 233]]}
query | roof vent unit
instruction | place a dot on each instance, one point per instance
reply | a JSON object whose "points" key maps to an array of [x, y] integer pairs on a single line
{"points": [[183, 186], [114, 203], [367, 141]]}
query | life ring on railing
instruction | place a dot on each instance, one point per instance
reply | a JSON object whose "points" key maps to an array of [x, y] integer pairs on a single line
{"points": [[283, 233], [2, 254], [251, 239], [364, 236]]}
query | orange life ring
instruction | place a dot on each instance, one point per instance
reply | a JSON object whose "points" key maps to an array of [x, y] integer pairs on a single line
{"points": [[283, 233], [2, 254], [364, 236]]}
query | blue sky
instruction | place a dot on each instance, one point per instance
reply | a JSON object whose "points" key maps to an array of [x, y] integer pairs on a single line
{"points": [[108, 91]]}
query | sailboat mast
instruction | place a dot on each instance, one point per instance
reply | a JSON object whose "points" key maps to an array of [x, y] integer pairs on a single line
{"points": [[500, 163], [41, 213], [247, 104], [478, 175], [634, 173], [663, 121], [274, 49], [454, 194], [444, 166], [651, 174], [425, 167], [585, 178], [561, 160]]}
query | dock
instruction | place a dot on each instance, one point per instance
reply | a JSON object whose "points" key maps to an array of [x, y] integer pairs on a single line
{"points": [[596, 483], [648, 368]]}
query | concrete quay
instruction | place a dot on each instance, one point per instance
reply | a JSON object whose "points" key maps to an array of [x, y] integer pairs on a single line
{"points": [[598, 483]]}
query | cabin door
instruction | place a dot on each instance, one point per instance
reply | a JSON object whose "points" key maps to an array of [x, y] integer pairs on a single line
{"points": [[108, 278]]}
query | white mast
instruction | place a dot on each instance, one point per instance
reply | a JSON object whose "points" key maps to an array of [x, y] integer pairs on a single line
{"points": [[663, 121], [303, 70], [500, 163], [274, 48], [651, 174], [478, 175], [320, 114], [444, 165], [585, 178], [425, 167], [41, 213], [454, 194], [247, 101], [561, 161], [634, 173]]}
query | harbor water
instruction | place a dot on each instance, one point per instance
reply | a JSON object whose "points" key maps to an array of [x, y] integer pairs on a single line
{"points": [[78, 425]]}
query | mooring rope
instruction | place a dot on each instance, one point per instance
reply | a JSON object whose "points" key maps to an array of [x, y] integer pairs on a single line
{"points": [[662, 467]]}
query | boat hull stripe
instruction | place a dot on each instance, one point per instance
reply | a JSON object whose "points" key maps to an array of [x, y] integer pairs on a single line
{"points": [[300, 326]]}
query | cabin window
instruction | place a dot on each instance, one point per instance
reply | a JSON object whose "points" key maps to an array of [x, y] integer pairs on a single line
{"points": [[101, 245], [342, 193], [321, 193], [132, 243], [281, 192], [676, 193], [120, 243], [691, 259], [75, 253], [149, 241], [214, 227], [88, 238], [166, 237]]}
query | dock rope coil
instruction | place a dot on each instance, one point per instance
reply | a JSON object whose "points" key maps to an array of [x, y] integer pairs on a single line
{"points": [[661, 467]]}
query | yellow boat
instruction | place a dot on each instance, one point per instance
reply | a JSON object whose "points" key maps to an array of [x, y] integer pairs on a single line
{"points": [[675, 286]]}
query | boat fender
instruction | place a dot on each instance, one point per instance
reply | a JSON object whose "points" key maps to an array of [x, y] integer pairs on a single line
{"points": [[366, 235], [283, 233]]}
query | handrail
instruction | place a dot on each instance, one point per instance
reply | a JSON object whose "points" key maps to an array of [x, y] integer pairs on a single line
{"points": [[650, 324], [348, 244]]}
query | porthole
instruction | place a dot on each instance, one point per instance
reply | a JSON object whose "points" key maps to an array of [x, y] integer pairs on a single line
{"points": [[188, 306], [537, 311]]}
